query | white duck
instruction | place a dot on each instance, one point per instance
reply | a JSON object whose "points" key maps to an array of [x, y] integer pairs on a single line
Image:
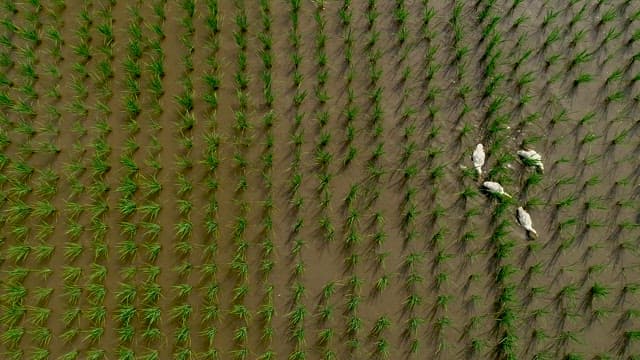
{"points": [[478, 158], [525, 220], [533, 157], [495, 188]]}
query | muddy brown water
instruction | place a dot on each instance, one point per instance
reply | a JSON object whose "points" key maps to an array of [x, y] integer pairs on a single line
{"points": [[574, 286]]}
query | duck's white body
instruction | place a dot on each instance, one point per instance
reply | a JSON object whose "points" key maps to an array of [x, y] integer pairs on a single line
{"points": [[532, 156], [478, 158], [495, 188], [525, 220]]}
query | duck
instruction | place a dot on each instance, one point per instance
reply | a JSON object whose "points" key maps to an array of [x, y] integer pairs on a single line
{"points": [[495, 188], [524, 219], [478, 157], [531, 157]]}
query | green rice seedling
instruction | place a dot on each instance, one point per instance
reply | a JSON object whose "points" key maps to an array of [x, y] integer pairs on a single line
{"points": [[43, 252], [127, 249], [608, 16], [12, 336], [20, 232], [382, 283], [71, 274], [381, 324], [40, 354], [589, 137], [567, 201], [96, 354], [124, 316], [354, 324], [129, 229], [18, 253], [582, 79], [240, 292], [97, 315], [69, 335], [42, 295], [96, 293], [124, 353], [490, 27], [440, 279], [151, 185], [13, 313], [127, 207], [297, 316], [598, 291], [298, 354], [329, 354], [552, 37], [578, 16], [328, 290], [577, 38], [150, 210], [325, 336], [353, 302], [441, 324], [568, 337], [151, 334], [182, 335], [210, 334], [601, 314], [70, 315], [580, 58], [616, 96], [526, 79], [151, 316], [382, 348], [412, 301], [635, 36]]}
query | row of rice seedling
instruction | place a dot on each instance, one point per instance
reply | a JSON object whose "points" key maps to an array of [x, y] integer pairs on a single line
{"points": [[413, 256], [95, 313], [351, 110], [181, 309], [351, 205], [266, 311], [497, 123], [474, 336], [461, 62], [322, 154], [138, 313], [126, 311], [296, 308], [375, 174], [242, 133], [440, 65], [538, 334], [22, 41], [75, 205], [17, 177], [128, 183], [210, 311], [72, 288], [27, 193], [324, 337], [524, 82]]}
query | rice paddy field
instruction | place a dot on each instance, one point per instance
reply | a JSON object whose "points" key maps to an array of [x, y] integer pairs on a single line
{"points": [[293, 179]]}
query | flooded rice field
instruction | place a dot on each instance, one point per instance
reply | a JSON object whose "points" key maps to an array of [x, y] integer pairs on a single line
{"points": [[302, 179]]}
